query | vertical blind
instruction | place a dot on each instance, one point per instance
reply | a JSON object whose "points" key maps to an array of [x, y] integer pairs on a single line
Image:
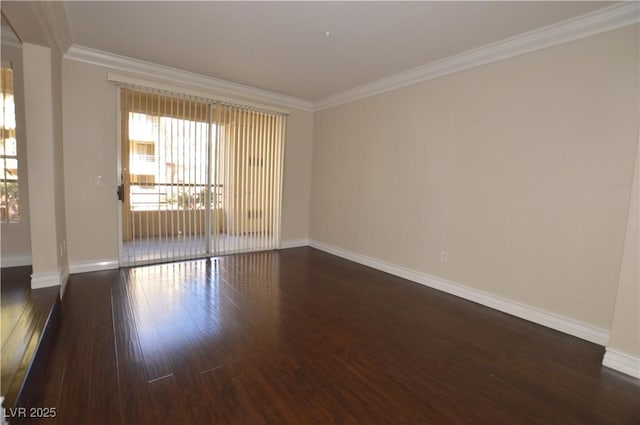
{"points": [[199, 177]]}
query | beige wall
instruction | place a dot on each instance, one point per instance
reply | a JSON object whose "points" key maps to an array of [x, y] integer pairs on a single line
{"points": [[625, 332], [89, 122], [44, 146], [39, 124], [520, 169], [16, 237], [297, 176], [89, 113]]}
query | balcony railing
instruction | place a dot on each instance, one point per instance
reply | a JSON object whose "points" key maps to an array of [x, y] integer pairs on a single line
{"points": [[174, 196], [143, 158]]}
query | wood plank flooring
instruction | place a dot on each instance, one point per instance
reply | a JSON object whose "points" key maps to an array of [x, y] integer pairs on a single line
{"points": [[23, 319], [302, 337]]}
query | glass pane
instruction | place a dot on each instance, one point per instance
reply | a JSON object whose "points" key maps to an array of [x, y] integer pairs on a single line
{"points": [[11, 147], [143, 127], [167, 163], [11, 168], [9, 120], [9, 209]]}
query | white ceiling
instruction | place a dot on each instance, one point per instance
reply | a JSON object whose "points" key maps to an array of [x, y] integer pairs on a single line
{"points": [[282, 47]]}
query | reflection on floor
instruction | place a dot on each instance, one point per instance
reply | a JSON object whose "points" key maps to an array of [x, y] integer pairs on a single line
{"points": [[301, 337], [156, 250], [24, 316]]}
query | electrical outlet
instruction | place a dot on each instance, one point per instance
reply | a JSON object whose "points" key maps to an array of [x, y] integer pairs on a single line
{"points": [[444, 256]]}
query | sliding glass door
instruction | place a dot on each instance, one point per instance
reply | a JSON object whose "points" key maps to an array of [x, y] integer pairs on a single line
{"points": [[199, 178]]}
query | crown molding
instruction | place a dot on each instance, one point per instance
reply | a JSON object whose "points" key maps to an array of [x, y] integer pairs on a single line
{"points": [[130, 81], [593, 23], [602, 20], [187, 79]]}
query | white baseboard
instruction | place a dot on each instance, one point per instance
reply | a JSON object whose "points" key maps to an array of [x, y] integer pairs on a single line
{"points": [[64, 280], [294, 243], [551, 320], [622, 362], [93, 266], [45, 280], [16, 261]]}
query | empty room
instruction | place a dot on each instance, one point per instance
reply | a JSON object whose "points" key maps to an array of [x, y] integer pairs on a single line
{"points": [[320, 212]]}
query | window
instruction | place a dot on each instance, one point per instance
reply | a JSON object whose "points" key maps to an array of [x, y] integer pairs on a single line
{"points": [[9, 195], [200, 177], [167, 162]]}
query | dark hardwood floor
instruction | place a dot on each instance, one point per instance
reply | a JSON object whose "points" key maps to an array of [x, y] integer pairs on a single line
{"points": [[24, 315], [303, 337]]}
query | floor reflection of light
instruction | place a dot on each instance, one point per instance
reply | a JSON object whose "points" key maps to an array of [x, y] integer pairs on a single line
{"points": [[181, 300], [24, 336], [12, 308], [200, 303]]}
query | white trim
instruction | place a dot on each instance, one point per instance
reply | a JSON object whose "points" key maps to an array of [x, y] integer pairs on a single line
{"points": [[161, 73], [24, 260], [294, 243], [65, 281], [93, 266], [607, 19], [602, 20], [128, 80], [64, 275], [622, 362], [45, 280], [523, 311], [119, 174]]}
